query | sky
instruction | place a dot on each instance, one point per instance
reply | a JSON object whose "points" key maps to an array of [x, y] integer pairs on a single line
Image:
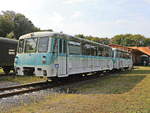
{"points": [[101, 18]]}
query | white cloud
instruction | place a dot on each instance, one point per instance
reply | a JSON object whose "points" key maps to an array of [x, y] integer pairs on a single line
{"points": [[52, 21], [108, 28], [76, 1], [76, 14], [147, 1], [19, 5], [56, 18]]}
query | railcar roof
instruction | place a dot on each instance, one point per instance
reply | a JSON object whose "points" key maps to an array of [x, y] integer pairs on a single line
{"points": [[119, 49], [46, 33], [6, 40], [37, 34]]}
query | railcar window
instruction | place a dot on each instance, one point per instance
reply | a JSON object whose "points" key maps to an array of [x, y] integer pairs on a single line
{"points": [[64, 46], [83, 49], [31, 45], [110, 52], [93, 50], [74, 48], [118, 54], [87, 48], [21, 46], [55, 47], [100, 51], [113, 53], [43, 44], [60, 46], [106, 52]]}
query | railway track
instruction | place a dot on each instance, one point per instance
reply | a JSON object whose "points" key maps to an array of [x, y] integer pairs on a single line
{"points": [[25, 88], [31, 87]]}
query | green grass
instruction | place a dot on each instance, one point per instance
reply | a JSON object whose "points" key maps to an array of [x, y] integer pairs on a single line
{"points": [[114, 84], [125, 93]]}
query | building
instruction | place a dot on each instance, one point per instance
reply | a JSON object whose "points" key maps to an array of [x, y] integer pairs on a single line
{"points": [[141, 55]]}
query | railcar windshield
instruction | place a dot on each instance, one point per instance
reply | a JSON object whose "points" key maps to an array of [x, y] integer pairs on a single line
{"points": [[21, 46], [31, 45], [43, 44]]}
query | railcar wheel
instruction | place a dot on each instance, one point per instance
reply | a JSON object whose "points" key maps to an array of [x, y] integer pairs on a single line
{"points": [[6, 70]]}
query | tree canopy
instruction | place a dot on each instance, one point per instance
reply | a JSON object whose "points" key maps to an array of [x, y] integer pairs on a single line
{"points": [[13, 25], [95, 39], [129, 40], [122, 39]]}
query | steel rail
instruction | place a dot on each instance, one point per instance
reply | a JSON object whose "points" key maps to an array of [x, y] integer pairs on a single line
{"points": [[13, 93], [22, 86]]}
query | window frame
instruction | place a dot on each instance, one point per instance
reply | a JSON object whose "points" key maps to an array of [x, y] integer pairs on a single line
{"points": [[39, 44], [25, 51]]}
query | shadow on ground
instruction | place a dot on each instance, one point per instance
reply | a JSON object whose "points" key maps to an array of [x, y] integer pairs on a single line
{"points": [[105, 85]]}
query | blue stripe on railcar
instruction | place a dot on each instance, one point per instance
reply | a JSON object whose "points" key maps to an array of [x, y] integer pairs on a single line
{"points": [[35, 59]]}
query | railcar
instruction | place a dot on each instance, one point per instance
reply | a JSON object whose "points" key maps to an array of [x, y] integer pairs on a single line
{"points": [[8, 48], [57, 55], [122, 59]]}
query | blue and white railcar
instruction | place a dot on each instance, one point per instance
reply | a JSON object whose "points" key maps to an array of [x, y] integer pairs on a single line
{"points": [[122, 59], [59, 55]]}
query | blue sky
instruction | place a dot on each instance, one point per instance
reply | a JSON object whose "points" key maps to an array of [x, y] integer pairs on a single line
{"points": [[102, 18]]}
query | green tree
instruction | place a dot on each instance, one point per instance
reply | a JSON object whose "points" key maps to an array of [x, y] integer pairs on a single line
{"points": [[95, 39], [10, 35], [15, 24], [23, 25], [105, 41], [80, 36], [129, 40], [147, 42], [6, 23]]}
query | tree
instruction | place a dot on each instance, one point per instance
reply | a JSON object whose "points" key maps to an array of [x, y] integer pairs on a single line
{"points": [[6, 23], [105, 41], [10, 35], [23, 25], [15, 24], [147, 42], [80, 36], [128, 40]]}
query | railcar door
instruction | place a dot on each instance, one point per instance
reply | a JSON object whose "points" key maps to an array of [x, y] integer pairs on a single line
{"points": [[63, 57]]}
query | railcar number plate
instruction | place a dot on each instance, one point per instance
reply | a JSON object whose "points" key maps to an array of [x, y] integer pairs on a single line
{"points": [[56, 65]]}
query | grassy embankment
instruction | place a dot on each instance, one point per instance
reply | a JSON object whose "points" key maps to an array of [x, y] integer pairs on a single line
{"points": [[20, 79], [124, 93]]}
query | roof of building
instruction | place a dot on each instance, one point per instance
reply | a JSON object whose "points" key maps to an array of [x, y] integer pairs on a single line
{"points": [[120, 47], [145, 50]]}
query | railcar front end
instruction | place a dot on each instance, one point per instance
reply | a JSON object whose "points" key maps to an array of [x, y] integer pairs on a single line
{"points": [[35, 55]]}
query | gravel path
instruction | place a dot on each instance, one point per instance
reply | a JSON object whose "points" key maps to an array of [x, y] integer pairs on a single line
{"points": [[23, 99]]}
